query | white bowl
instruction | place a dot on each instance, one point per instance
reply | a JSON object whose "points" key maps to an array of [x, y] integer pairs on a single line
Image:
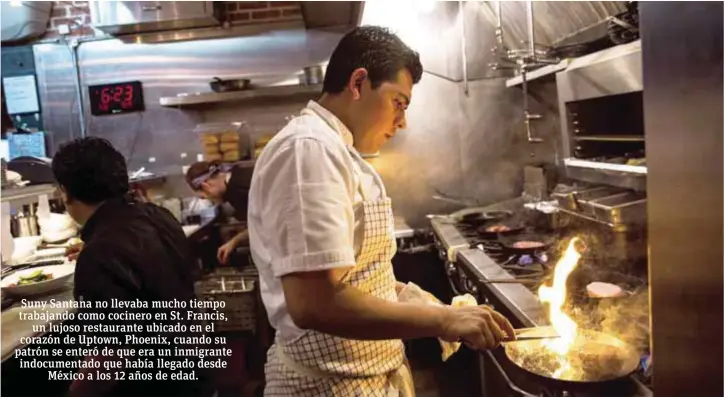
{"points": [[61, 275]]}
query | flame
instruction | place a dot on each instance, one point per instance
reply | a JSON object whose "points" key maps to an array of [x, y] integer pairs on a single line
{"points": [[555, 296]]}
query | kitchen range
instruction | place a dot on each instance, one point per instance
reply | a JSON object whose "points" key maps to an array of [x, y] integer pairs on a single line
{"points": [[508, 276], [578, 145]]}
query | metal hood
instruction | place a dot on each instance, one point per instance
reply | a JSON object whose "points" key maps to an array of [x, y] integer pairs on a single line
{"points": [[554, 22], [437, 32], [23, 20], [169, 21]]}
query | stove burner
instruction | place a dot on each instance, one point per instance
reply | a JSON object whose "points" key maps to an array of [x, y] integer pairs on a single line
{"points": [[529, 265]]}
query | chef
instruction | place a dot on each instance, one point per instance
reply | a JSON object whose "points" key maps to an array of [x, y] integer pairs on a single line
{"points": [[132, 252], [321, 235], [221, 183]]}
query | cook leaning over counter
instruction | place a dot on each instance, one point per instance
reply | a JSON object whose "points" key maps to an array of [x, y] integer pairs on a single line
{"points": [[321, 234], [133, 251], [223, 183]]}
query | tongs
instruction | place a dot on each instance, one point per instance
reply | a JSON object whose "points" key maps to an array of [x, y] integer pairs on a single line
{"points": [[30, 265], [518, 338]]}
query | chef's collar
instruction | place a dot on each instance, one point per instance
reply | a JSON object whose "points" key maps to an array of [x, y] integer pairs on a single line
{"points": [[333, 122]]}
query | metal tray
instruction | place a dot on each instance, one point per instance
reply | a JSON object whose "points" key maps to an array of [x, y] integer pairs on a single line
{"points": [[622, 209], [586, 199], [571, 200]]}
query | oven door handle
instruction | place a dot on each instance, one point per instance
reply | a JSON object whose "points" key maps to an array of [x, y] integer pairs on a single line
{"points": [[513, 387]]}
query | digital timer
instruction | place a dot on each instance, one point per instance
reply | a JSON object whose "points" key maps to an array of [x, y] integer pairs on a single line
{"points": [[116, 98]]}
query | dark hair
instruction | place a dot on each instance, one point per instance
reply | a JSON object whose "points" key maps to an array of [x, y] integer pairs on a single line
{"points": [[91, 170], [374, 48], [200, 168]]}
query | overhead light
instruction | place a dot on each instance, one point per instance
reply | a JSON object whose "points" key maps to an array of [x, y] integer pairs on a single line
{"points": [[16, 4]]}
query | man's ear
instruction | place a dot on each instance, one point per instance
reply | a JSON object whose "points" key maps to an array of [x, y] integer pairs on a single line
{"points": [[356, 80]]}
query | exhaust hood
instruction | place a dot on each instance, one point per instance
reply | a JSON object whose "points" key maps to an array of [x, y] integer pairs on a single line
{"points": [[23, 20], [128, 17], [166, 21]]}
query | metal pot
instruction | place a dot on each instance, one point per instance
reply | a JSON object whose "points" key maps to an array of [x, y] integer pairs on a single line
{"points": [[313, 75], [219, 85]]}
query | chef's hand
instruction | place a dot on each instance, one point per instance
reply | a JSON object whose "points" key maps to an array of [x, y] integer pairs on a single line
{"points": [[225, 251], [479, 327], [73, 251]]}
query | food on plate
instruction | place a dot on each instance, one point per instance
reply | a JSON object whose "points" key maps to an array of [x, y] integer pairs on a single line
{"points": [[497, 229], [212, 157], [528, 244], [32, 278], [604, 290]]}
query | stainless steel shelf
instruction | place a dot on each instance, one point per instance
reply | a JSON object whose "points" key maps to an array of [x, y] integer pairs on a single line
{"points": [[610, 138], [27, 192], [245, 95], [619, 175], [595, 165]]}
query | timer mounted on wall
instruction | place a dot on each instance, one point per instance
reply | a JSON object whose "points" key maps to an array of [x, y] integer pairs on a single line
{"points": [[116, 98]]}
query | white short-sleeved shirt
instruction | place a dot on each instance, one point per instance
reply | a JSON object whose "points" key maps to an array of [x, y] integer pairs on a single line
{"points": [[305, 206]]}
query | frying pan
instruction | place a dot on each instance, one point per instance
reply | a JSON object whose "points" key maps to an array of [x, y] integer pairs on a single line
{"points": [[477, 219], [508, 242], [530, 357]]}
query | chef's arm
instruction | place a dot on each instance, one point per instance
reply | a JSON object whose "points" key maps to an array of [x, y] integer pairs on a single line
{"points": [[321, 302], [240, 237]]}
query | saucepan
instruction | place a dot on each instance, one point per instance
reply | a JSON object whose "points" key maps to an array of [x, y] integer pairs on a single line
{"points": [[219, 85], [594, 359]]}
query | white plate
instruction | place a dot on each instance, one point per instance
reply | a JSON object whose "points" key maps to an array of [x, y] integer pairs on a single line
{"points": [[61, 275]]}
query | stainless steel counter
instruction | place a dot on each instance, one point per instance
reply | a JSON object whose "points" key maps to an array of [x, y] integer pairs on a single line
{"points": [[402, 230], [13, 328]]}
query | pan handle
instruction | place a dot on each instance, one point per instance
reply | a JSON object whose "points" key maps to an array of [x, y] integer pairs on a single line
{"points": [[513, 387]]}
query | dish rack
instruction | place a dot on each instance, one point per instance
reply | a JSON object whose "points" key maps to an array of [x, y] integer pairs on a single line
{"points": [[237, 290]]}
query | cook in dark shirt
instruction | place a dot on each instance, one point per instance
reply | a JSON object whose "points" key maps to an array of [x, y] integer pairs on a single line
{"points": [[221, 183], [132, 252]]}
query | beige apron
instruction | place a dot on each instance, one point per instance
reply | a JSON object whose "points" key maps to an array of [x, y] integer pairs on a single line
{"points": [[318, 364]]}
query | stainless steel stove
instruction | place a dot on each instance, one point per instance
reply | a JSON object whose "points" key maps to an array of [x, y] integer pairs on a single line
{"points": [[470, 263]]}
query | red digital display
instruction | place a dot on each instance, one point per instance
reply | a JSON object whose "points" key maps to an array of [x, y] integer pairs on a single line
{"points": [[116, 98]]}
